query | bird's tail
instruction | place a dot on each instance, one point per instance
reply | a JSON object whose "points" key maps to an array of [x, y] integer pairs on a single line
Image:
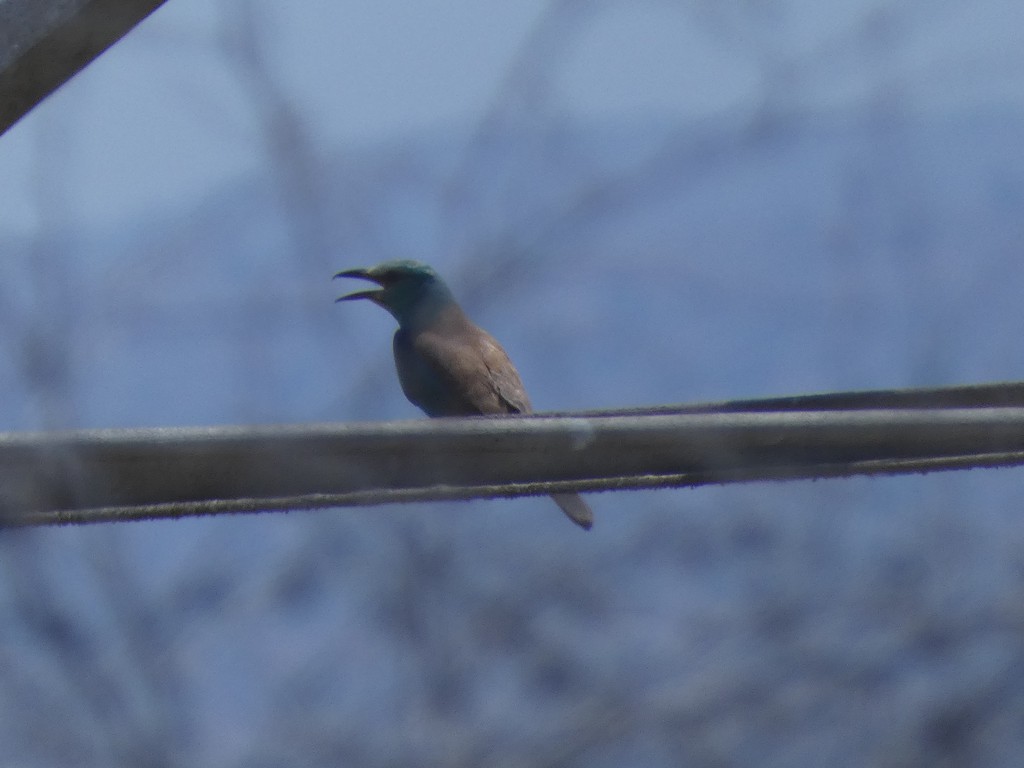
{"points": [[576, 508]]}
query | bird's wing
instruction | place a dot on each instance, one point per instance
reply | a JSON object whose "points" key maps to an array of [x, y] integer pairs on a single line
{"points": [[504, 376], [475, 371]]}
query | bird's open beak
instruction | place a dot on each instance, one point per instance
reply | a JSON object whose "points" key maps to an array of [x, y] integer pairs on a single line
{"points": [[362, 274]]}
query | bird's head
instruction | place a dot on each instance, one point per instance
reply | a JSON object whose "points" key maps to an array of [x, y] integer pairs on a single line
{"points": [[408, 289]]}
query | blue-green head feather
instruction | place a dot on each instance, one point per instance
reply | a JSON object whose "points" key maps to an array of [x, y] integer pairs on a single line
{"points": [[410, 290]]}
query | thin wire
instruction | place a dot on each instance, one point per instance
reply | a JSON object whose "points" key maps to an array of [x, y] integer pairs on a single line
{"points": [[384, 496]]}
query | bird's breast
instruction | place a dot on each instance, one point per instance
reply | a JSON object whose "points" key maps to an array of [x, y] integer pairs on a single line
{"points": [[420, 380]]}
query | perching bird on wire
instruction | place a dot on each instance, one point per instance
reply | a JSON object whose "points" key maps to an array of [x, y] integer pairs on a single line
{"points": [[447, 366]]}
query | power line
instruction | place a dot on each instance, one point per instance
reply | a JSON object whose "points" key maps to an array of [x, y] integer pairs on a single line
{"points": [[108, 475], [44, 43]]}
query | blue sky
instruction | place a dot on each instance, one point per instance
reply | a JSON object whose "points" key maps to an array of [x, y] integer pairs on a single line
{"points": [[162, 105], [160, 119]]}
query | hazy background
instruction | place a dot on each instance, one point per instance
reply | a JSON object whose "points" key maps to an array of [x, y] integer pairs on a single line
{"points": [[647, 202]]}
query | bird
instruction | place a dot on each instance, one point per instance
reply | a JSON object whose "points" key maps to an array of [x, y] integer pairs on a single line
{"points": [[447, 365]]}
